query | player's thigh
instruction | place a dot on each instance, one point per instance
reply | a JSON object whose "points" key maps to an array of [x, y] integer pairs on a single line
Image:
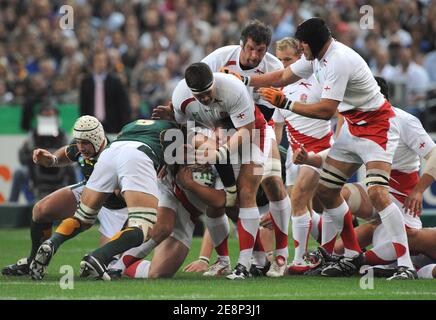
{"points": [[422, 241], [93, 199], [167, 258], [305, 186], [58, 205], [333, 176]]}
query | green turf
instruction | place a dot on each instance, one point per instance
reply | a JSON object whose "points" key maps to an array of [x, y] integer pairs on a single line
{"points": [[14, 244]]}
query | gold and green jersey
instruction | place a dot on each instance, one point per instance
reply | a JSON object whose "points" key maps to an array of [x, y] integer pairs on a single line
{"points": [[148, 132]]}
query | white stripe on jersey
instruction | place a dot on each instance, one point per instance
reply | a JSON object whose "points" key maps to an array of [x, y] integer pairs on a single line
{"points": [[297, 126]]}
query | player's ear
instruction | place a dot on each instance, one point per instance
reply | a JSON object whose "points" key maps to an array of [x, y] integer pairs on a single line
{"points": [[241, 43]]}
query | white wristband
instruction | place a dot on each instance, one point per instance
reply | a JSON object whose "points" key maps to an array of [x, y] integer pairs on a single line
{"points": [[289, 105], [204, 259]]}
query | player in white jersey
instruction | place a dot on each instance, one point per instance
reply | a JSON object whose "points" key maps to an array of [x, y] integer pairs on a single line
{"points": [[207, 98], [316, 136], [370, 137], [406, 191], [251, 58]]}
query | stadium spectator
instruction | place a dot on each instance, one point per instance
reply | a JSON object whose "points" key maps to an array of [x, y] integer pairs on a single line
{"points": [[414, 78], [30, 33], [103, 95]]}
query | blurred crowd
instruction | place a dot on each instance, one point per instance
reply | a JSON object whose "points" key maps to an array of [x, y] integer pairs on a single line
{"points": [[149, 43]]}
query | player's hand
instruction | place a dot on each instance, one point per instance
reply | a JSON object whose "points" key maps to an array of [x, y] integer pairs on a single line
{"points": [[206, 155], [197, 266], [266, 221], [274, 96], [184, 177], [43, 157], [163, 113], [413, 203], [300, 156], [244, 79]]}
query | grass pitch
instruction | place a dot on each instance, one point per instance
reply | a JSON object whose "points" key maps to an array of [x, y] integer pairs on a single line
{"points": [[15, 244]]}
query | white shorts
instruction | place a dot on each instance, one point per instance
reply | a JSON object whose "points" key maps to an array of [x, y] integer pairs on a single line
{"points": [[353, 149], [292, 169], [123, 166], [77, 190], [184, 227], [112, 220]]}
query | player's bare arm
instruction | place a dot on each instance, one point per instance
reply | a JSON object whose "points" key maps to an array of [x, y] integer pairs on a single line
{"points": [[279, 78], [47, 159], [413, 202], [325, 109], [213, 198]]}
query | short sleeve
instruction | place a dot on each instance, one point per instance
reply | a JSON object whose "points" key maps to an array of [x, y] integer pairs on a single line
{"points": [[416, 137], [302, 68], [277, 116]]}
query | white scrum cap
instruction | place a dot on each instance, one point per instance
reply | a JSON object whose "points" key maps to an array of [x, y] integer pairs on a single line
{"points": [[90, 129]]}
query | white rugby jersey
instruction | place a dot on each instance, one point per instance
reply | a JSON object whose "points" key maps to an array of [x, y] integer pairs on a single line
{"points": [[228, 57], [344, 76], [169, 191], [314, 134], [414, 143], [232, 100]]}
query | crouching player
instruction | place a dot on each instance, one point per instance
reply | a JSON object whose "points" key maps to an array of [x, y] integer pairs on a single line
{"points": [[90, 140], [129, 164]]}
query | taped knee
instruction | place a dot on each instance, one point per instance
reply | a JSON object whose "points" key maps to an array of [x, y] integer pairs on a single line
{"points": [[86, 214], [273, 169], [355, 198], [376, 177], [331, 177], [142, 218]]}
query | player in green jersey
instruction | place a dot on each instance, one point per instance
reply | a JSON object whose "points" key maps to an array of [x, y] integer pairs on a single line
{"points": [[130, 163], [62, 203]]}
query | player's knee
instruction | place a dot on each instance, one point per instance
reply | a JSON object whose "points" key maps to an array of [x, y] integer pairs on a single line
{"points": [[161, 231], [326, 195], [39, 212], [345, 193], [274, 188], [379, 197], [247, 193], [155, 274], [412, 234]]}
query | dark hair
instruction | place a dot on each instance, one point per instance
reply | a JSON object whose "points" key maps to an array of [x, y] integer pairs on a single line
{"points": [[384, 87], [198, 76], [259, 32]]}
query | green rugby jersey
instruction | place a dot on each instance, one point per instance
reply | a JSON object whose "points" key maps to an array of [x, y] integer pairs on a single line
{"points": [[148, 132]]}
